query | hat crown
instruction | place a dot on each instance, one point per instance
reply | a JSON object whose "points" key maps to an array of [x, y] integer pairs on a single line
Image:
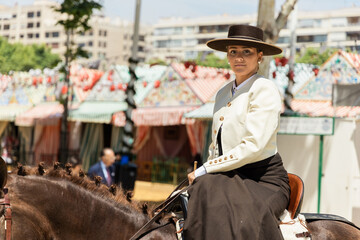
{"points": [[246, 32]]}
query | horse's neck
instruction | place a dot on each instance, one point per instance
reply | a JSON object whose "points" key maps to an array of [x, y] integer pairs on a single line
{"points": [[76, 210]]}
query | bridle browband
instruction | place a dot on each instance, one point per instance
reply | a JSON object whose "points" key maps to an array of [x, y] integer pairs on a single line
{"points": [[5, 201]]}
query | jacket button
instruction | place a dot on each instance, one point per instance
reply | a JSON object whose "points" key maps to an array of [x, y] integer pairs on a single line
{"points": [[231, 156], [220, 160], [221, 118], [215, 131], [215, 161], [210, 162], [225, 158], [229, 104]]}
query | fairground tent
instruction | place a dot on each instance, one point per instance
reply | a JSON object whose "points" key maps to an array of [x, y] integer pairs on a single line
{"points": [[159, 116]]}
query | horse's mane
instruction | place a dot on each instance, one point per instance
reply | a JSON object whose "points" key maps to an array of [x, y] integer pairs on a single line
{"points": [[95, 186]]}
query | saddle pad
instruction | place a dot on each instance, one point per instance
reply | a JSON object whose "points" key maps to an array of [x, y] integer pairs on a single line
{"points": [[290, 227]]}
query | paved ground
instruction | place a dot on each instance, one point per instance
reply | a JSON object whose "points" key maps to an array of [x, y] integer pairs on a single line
{"points": [[153, 192]]}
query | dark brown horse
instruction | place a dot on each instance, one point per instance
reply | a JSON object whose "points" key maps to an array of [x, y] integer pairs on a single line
{"points": [[58, 205]]}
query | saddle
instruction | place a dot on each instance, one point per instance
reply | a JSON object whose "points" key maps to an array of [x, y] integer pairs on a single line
{"points": [[177, 204]]}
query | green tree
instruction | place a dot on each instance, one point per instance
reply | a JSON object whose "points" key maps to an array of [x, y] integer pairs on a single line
{"points": [[314, 56], [77, 14], [19, 57], [211, 60]]}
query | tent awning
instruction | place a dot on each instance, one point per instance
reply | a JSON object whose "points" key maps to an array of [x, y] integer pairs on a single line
{"points": [[205, 112], [96, 112], [9, 112], [43, 114], [155, 116]]}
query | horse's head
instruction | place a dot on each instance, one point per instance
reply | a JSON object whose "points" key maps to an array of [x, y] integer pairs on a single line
{"points": [[3, 173]]}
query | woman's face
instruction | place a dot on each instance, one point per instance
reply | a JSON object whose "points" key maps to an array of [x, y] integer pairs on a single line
{"points": [[243, 60]]}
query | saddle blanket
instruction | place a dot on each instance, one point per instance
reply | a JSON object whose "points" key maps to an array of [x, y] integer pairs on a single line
{"points": [[293, 229]]}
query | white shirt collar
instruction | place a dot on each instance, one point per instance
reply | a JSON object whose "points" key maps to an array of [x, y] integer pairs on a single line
{"points": [[236, 88]]}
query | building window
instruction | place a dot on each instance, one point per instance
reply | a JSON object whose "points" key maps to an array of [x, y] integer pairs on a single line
{"points": [[283, 40], [90, 43], [30, 14], [105, 33], [81, 45], [14, 16], [91, 33], [21, 35], [38, 14], [141, 38], [6, 26], [204, 40], [30, 25], [168, 31], [100, 33], [38, 24], [353, 36], [37, 35], [47, 34], [104, 44], [312, 38], [54, 45], [55, 34], [30, 35]]}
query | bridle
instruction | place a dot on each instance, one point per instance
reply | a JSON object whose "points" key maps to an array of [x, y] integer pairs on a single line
{"points": [[162, 208], [5, 201]]}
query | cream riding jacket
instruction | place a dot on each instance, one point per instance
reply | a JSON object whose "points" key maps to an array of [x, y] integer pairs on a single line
{"points": [[250, 121]]}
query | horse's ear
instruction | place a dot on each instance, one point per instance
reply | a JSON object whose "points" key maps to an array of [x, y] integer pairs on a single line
{"points": [[3, 173]]}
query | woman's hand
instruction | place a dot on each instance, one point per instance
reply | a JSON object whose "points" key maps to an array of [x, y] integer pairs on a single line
{"points": [[191, 177]]}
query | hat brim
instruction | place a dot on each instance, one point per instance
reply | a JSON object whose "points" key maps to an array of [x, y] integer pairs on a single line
{"points": [[221, 45]]}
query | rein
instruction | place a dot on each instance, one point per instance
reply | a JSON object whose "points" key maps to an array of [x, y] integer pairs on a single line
{"points": [[162, 208], [7, 214]]}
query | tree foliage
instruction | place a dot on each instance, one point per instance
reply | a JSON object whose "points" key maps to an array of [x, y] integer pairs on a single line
{"points": [[19, 57], [77, 16], [211, 60], [314, 56]]}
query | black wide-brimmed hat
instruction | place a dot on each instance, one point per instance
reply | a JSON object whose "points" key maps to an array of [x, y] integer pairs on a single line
{"points": [[244, 35]]}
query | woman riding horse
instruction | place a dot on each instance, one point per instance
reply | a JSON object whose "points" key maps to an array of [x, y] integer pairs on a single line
{"points": [[243, 188]]}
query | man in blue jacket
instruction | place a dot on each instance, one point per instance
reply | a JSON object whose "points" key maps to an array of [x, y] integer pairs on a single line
{"points": [[105, 167]]}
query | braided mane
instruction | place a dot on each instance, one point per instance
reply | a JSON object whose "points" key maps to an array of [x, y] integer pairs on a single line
{"points": [[95, 186]]}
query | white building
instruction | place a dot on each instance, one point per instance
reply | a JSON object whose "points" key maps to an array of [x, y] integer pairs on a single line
{"points": [[184, 38], [109, 40]]}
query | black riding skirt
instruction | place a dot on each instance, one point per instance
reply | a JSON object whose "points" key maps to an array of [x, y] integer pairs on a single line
{"points": [[244, 203]]}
